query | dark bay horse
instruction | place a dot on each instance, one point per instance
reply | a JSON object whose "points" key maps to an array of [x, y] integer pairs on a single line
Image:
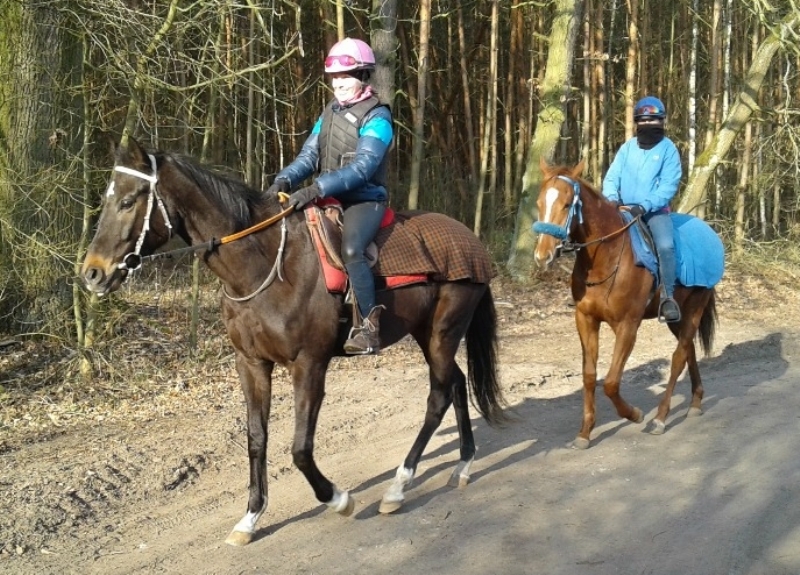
{"points": [[608, 286], [286, 316]]}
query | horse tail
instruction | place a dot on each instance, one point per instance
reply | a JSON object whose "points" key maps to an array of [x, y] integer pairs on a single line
{"points": [[708, 324], [481, 341]]}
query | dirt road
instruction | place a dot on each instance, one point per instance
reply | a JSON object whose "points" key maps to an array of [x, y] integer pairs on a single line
{"points": [[717, 494]]}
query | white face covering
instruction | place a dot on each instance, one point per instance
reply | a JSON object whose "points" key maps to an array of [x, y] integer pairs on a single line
{"points": [[345, 87]]}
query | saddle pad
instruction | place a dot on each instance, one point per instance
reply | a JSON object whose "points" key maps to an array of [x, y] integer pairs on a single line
{"points": [[699, 253], [434, 245]]}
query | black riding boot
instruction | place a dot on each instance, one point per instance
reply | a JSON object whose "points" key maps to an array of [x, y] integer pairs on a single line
{"points": [[365, 339], [668, 310]]}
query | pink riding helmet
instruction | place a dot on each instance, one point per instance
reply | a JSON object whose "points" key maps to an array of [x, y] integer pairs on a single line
{"points": [[348, 55]]}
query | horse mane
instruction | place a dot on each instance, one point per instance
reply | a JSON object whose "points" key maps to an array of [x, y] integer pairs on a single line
{"points": [[231, 195]]}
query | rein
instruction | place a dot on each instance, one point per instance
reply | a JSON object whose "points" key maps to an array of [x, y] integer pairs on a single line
{"points": [[133, 261]]}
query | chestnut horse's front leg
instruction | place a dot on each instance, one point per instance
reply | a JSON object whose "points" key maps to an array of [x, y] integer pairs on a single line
{"points": [[625, 339], [255, 377], [588, 330]]}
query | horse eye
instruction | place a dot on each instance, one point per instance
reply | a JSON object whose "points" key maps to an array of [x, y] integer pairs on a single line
{"points": [[127, 203]]}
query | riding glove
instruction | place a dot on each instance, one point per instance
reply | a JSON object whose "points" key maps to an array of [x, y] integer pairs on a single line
{"points": [[635, 210], [304, 195], [278, 186]]}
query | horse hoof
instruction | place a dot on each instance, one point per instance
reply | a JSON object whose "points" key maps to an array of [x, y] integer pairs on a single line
{"points": [[636, 415], [580, 443], [239, 538], [657, 427], [349, 508], [458, 480], [694, 412], [388, 507]]}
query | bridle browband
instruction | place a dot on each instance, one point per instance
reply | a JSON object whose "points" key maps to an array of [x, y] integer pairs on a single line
{"points": [[133, 260]]}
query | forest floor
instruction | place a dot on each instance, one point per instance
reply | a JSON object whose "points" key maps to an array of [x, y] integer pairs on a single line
{"points": [[145, 470]]}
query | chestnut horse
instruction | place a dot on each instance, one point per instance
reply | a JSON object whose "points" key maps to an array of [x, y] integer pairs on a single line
{"points": [[608, 286], [290, 318]]}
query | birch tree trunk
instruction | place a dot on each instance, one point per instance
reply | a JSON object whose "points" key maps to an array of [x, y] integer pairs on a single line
{"points": [[631, 66], [418, 147], [554, 91], [694, 194]]}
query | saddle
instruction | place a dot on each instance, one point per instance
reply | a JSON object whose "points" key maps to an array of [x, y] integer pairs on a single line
{"points": [[324, 220]]}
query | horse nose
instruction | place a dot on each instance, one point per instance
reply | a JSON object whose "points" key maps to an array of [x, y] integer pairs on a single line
{"points": [[543, 261], [93, 277]]}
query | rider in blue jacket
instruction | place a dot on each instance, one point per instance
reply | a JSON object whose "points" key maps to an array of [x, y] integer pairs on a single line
{"points": [[347, 152], [644, 177]]}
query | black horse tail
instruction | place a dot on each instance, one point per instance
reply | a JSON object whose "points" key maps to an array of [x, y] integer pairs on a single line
{"points": [[708, 324], [482, 362]]}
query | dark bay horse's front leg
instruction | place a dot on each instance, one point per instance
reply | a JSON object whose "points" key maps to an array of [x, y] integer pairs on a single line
{"points": [[255, 377], [308, 377]]}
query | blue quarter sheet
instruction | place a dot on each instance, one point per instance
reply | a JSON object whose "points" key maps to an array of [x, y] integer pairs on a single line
{"points": [[699, 253]]}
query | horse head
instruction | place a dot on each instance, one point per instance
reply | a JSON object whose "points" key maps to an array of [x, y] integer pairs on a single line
{"points": [[559, 209], [133, 221]]}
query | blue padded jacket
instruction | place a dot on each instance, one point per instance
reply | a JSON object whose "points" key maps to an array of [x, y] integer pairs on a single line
{"points": [[360, 177], [649, 178]]}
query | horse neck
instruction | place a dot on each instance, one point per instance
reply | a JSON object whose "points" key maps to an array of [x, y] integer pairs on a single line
{"points": [[242, 264], [601, 227]]}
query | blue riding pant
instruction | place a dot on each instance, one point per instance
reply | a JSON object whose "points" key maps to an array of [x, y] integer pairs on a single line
{"points": [[360, 224], [661, 229]]}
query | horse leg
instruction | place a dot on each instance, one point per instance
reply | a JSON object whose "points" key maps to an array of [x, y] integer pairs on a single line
{"points": [[695, 407], [684, 354], [255, 378], [309, 390], [588, 331], [625, 339], [440, 355], [460, 475]]}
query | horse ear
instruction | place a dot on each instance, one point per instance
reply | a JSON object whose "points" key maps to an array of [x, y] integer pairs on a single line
{"points": [[129, 151], [544, 167], [577, 171]]}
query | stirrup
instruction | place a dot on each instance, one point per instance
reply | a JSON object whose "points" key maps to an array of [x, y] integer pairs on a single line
{"points": [[355, 339], [661, 317]]}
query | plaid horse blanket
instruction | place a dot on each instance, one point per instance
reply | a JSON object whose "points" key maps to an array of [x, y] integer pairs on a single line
{"points": [[431, 244]]}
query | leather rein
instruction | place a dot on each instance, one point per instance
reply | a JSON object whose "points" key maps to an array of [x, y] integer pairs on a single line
{"points": [[133, 260]]}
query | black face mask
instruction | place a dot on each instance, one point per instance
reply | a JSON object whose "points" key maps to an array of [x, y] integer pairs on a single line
{"points": [[648, 135]]}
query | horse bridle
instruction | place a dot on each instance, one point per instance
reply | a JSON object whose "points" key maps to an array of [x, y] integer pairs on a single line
{"points": [[562, 232], [133, 260]]}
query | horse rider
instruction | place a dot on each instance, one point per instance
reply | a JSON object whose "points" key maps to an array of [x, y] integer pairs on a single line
{"points": [[347, 154], [644, 177]]}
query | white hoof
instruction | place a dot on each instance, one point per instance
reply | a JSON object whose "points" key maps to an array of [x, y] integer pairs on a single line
{"points": [[657, 427], [580, 443], [341, 502], [239, 538], [387, 506], [460, 476]]}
